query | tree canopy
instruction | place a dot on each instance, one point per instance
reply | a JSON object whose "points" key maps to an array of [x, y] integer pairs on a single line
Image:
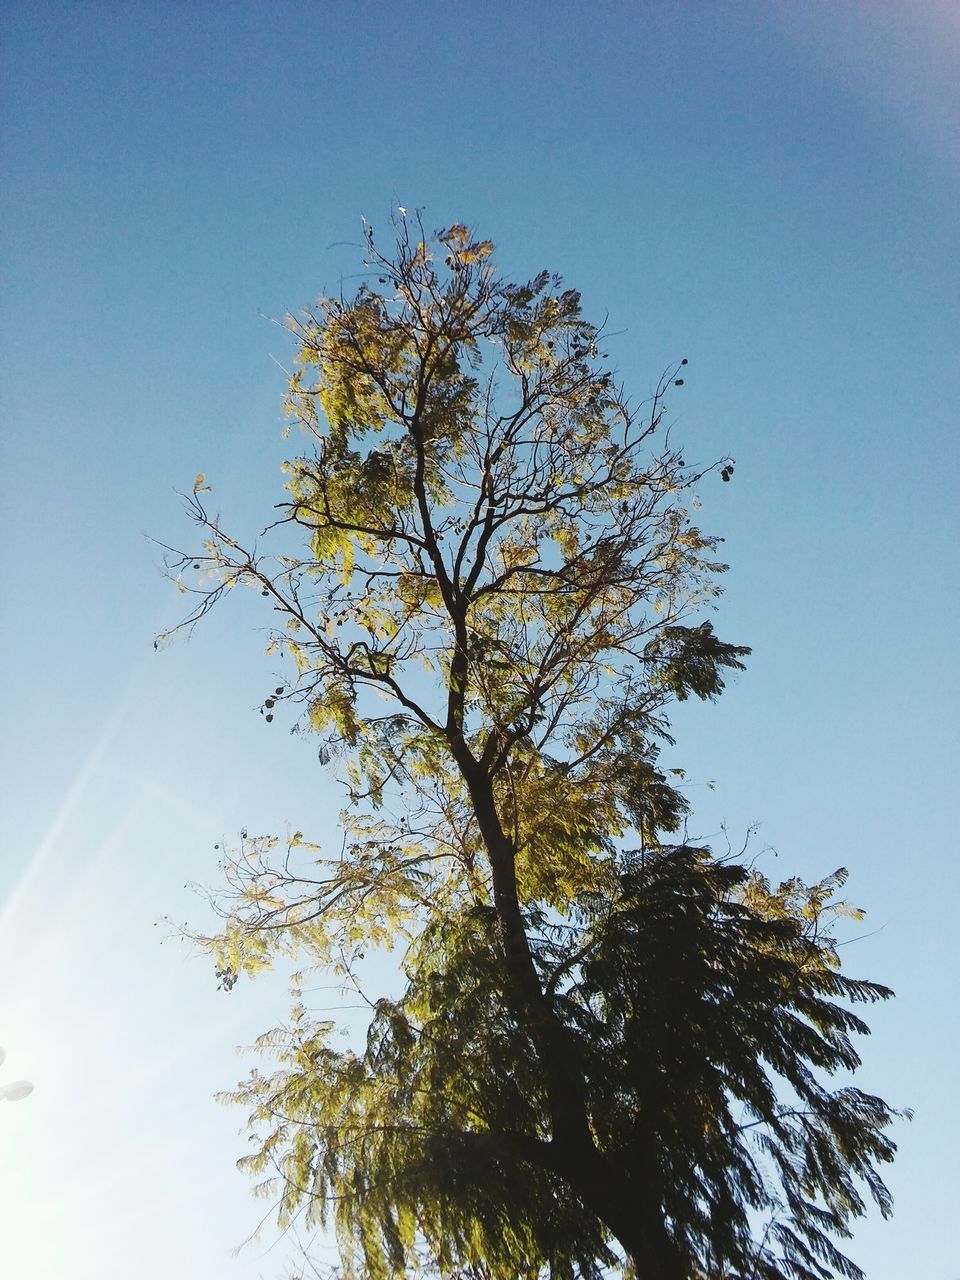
{"points": [[611, 1047]]}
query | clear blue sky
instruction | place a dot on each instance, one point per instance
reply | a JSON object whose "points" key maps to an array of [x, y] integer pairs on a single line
{"points": [[770, 189]]}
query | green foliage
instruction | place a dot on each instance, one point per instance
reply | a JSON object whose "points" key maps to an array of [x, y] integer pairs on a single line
{"points": [[435, 1139], [487, 586], [691, 660], [701, 998]]}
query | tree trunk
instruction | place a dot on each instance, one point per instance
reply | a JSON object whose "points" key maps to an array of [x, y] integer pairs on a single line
{"points": [[635, 1218]]}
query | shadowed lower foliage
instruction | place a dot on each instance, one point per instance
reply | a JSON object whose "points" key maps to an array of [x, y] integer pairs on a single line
{"points": [[696, 1000]]}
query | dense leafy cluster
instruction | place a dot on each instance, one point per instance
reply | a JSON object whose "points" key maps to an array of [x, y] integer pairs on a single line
{"points": [[488, 588], [436, 1139]]}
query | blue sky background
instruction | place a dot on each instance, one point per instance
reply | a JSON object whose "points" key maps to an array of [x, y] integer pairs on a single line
{"points": [[770, 189]]}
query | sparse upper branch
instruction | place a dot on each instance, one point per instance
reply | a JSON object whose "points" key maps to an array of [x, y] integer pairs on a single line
{"points": [[498, 542]]}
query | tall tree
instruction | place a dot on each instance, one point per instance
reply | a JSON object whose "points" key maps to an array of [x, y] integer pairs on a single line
{"points": [[608, 1044]]}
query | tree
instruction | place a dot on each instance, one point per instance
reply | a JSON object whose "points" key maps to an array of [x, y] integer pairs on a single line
{"points": [[609, 1046]]}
